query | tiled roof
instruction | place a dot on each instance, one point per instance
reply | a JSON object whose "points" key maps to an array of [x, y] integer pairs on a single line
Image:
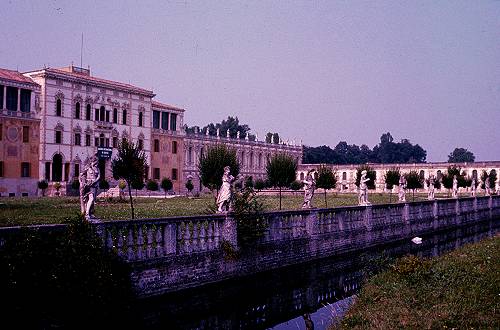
{"points": [[160, 105], [16, 76], [91, 79]]}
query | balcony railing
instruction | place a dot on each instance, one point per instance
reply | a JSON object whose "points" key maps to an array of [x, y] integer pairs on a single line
{"points": [[18, 114]]}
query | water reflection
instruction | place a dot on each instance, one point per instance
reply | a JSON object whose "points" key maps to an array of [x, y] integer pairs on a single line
{"points": [[306, 296]]}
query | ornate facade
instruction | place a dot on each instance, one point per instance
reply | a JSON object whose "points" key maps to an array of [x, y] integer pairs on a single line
{"points": [[19, 134], [252, 155]]}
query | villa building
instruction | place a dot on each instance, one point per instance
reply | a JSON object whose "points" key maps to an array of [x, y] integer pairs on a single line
{"points": [[19, 134]]}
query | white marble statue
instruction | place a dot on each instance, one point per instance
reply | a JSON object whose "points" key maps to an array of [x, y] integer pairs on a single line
{"points": [[402, 189], [454, 190], [227, 134], [247, 136], [473, 187], [224, 198], [363, 189], [430, 192], [238, 134], [309, 187], [207, 132], [497, 187], [89, 178], [487, 188], [218, 132]]}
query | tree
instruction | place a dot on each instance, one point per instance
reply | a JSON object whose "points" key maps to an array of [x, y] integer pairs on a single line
{"points": [[295, 185], [103, 184], [492, 176], [272, 138], [212, 163], [43, 185], [392, 177], [281, 170], [166, 184], [129, 165], [121, 185], [152, 185], [461, 155], [189, 185], [259, 184], [57, 186], [327, 179], [370, 173], [249, 182], [137, 185], [447, 179], [231, 125], [414, 181]]}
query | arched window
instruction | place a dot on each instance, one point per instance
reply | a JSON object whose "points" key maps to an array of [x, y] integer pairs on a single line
{"points": [[140, 119], [190, 155], [260, 160], [344, 176], [474, 174], [251, 159], [102, 113], [88, 112], [302, 176], [422, 174], [101, 140], [439, 175], [124, 117], [77, 110], [58, 108], [115, 116]]}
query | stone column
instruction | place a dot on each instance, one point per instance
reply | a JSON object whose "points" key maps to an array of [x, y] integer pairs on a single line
{"points": [[18, 99], [5, 97]]}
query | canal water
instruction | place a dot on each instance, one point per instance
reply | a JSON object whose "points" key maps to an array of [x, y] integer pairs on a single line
{"points": [[306, 296]]}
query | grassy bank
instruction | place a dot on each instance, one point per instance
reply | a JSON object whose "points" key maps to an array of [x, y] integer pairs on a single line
{"points": [[26, 211], [458, 290]]}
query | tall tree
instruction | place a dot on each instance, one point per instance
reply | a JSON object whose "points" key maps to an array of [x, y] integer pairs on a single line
{"points": [[392, 179], [166, 184], [281, 170], [327, 179], [129, 165], [212, 163], [414, 181], [447, 178], [461, 155]]}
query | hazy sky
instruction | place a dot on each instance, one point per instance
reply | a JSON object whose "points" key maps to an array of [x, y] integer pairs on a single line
{"points": [[319, 71]]}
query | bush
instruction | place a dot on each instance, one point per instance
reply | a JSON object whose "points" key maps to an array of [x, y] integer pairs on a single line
{"points": [[152, 185], [43, 185], [248, 214], [296, 185], [103, 184], [62, 279], [166, 185], [189, 185], [259, 184]]}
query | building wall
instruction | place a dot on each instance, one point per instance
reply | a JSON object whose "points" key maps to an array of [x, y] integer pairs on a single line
{"points": [[252, 155], [166, 160], [84, 90], [426, 169]]}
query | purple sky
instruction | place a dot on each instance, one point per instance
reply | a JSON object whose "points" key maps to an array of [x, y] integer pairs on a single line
{"points": [[322, 71]]}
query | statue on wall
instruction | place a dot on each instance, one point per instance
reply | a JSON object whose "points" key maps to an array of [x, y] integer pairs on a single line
{"points": [[432, 182], [363, 189], [89, 178], [402, 189], [309, 187], [473, 187], [487, 188], [454, 190], [224, 198]]}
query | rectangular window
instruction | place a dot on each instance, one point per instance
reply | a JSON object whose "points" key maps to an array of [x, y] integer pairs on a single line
{"points": [[1, 97], [115, 142], [156, 119], [173, 121], [107, 142], [58, 137], [102, 113], [146, 172], [96, 115], [140, 118], [164, 120], [124, 117], [11, 98], [174, 147], [107, 116], [96, 141], [156, 146], [47, 171], [1, 132], [26, 134], [25, 170], [25, 100], [141, 144], [77, 170], [1, 169], [115, 116], [87, 140], [156, 173], [174, 174], [77, 110], [78, 138]]}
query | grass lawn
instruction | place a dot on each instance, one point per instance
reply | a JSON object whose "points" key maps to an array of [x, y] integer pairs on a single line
{"points": [[45, 210], [459, 290]]}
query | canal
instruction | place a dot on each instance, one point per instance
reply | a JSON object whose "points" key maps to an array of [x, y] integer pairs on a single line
{"points": [[306, 296]]}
